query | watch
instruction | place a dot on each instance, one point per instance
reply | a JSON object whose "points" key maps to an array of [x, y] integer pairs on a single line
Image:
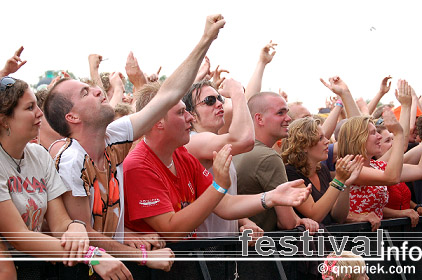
{"points": [[417, 206]]}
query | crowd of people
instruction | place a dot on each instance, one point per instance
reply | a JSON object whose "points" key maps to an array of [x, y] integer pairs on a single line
{"points": [[98, 172]]}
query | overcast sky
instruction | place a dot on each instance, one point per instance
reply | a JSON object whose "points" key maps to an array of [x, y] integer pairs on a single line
{"points": [[316, 39]]}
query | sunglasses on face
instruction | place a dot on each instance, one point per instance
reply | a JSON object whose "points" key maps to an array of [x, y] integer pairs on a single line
{"points": [[211, 99], [6, 83]]}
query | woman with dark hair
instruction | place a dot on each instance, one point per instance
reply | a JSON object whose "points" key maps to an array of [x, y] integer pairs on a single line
{"points": [[307, 147], [31, 189]]}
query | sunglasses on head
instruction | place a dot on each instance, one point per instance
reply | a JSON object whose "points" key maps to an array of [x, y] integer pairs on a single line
{"points": [[211, 99], [6, 82]]}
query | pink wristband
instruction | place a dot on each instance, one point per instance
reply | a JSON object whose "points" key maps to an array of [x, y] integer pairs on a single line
{"points": [[88, 254], [144, 255]]}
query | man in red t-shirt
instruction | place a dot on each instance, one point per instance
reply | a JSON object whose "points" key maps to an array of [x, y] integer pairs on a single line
{"points": [[168, 191]]}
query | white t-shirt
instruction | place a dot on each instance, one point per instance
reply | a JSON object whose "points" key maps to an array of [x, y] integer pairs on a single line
{"points": [[32, 188], [78, 170], [214, 226]]}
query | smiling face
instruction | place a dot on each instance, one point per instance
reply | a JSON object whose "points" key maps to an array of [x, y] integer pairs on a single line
{"points": [[275, 119], [26, 119], [373, 143], [208, 117]]}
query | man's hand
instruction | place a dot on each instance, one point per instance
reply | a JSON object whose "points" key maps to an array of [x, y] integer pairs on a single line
{"points": [[94, 61], [257, 232], [13, 64], [283, 94], [161, 253], [133, 72], [266, 57], [228, 87], [212, 26], [309, 224], [149, 240], [216, 76], [154, 77], [204, 72], [221, 165], [291, 193]]}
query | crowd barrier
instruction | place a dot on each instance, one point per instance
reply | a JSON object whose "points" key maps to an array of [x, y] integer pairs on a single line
{"points": [[221, 258]]}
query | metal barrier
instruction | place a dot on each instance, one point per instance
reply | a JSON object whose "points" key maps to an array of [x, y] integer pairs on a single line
{"points": [[395, 232]]}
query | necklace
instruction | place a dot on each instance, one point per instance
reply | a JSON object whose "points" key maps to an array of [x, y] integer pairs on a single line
{"points": [[171, 163], [18, 165]]}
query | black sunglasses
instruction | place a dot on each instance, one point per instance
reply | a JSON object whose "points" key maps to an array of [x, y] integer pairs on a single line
{"points": [[211, 99], [6, 82]]}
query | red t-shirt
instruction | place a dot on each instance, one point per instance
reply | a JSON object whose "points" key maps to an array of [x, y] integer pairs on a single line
{"points": [[152, 189], [399, 197]]}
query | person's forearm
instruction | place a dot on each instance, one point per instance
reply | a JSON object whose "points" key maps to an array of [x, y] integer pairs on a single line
{"points": [[95, 76], [395, 163], [35, 244], [374, 102], [189, 218], [255, 83], [241, 131], [111, 246], [118, 94], [341, 207], [286, 217], [350, 106], [392, 213], [330, 123], [405, 120], [317, 211], [355, 218]]}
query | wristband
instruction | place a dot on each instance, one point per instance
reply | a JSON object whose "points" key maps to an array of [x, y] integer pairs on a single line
{"points": [[263, 203], [76, 221], [338, 182], [417, 206], [339, 103], [218, 188], [144, 254]]}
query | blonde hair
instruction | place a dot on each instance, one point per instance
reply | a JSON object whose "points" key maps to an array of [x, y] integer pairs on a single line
{"points": [[303, 133], [344, 267], [353, 136]]}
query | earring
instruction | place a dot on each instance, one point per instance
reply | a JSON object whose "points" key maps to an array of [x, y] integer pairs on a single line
{"points": [[8, 131]]}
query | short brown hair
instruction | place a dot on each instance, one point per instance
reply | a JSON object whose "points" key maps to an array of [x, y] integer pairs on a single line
{"points": [[56, 106]]}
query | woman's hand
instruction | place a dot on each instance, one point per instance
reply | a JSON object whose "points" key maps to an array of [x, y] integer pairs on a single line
{"points": [[113, 269], [391, 122], [149, 240], [355, 168], [161, 253], [344, 168], [75, 242]]}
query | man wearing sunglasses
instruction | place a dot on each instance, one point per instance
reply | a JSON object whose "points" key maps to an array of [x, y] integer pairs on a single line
{"points": [[91, 163], [168, 190], [205, 104]]}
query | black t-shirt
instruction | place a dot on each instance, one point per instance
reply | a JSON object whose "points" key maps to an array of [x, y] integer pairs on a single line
{"points": [[324, 179]]}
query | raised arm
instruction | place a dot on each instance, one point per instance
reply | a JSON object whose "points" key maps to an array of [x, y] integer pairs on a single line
{"points": [[13, 64], [403, 95], [94, 64], [178, 83], [116, 84], [339, 87], [384, 88], [241, 131], [204, 72], [134, 73], [330, 123], [265, 57]]}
